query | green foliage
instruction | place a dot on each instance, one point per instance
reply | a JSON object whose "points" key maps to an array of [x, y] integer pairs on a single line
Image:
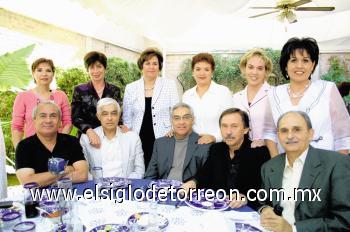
{"points": [[12, 180], [68, 79], [227, 71], [7, 99], [276, 77], [120, 73], [14, 70], [337, 71]]}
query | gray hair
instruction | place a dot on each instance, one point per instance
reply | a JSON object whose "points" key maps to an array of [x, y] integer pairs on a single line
{"points": [[301, 113], [49, 102], [181, 105], [107, 101]]}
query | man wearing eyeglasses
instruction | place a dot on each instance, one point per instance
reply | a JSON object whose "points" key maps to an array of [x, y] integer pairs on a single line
{"points": [[178, 157], [33, 153], [232, 164], [120, 154]]}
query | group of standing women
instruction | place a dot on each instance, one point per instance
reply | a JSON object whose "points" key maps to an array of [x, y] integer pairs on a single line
{"points": [[148, 101]]}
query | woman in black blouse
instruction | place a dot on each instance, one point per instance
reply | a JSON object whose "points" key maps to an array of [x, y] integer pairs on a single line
{"points": [[86, 96]]}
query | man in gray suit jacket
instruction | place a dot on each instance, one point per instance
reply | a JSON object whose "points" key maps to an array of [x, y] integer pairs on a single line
{"points": [[323, 175], [180, 156]]}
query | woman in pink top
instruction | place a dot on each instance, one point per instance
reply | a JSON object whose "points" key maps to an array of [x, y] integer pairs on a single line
{"points": [[43, 71], [255, 67]]}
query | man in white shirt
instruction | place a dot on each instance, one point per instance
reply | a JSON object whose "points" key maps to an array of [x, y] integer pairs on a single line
{"points": [[120, 154], [324, 177]]}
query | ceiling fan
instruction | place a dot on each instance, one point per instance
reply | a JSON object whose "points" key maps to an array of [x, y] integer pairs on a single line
{"points": [[287, 8]]}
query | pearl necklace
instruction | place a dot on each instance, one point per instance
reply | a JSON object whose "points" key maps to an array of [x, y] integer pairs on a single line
{"points": [[298, 94]]}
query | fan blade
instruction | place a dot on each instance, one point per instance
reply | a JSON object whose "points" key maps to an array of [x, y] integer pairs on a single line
{"points": [[263, 7], [324, 8], [299, 3], [271, 12]]}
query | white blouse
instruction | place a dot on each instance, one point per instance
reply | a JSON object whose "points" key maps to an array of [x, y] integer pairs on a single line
{"points": [[325, 107], [3, 175], [208, 108]]}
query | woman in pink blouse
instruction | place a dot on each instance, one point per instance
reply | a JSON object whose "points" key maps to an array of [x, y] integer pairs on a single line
{"points": [[43, 71]]}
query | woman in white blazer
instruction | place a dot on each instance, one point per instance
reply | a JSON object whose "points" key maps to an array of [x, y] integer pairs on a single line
{"points": [[148, 101], [207, 99], [255, 67], [318, 98]]}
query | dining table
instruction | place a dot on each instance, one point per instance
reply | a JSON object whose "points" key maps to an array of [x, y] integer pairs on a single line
{"points": [[177, 215]]}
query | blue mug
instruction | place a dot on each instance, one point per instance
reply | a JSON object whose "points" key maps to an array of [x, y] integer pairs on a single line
{"points": [[56, 165]]}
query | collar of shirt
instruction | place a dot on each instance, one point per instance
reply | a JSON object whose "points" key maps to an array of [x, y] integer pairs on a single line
{"points": [[212, 89], [116, 136], [300, 159]]}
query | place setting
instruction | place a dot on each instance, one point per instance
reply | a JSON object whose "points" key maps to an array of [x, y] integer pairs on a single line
{"points": [[200, 202]]}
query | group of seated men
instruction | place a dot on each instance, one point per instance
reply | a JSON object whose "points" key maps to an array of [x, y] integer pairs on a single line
{"points": [[231, 164]]}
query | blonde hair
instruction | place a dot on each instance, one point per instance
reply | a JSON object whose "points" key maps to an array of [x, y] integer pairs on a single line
{"points": [[259, 53]]}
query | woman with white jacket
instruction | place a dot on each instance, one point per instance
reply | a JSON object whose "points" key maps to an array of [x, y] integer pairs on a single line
{"points": [[148, 101], [255, 67]]}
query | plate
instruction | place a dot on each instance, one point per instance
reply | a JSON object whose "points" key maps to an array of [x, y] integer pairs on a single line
{"points": [[141, 220], [201, 203], [115, 182], [7, 210], [245, 227], [164, 183], [112, 228]]}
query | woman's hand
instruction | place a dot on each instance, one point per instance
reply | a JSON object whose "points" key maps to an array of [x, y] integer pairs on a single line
{"points": [[257, 143], [93, 138], [170, 134], [124, 128], [205, 139]]}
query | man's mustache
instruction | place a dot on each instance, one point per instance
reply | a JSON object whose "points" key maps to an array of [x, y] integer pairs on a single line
{"points": [[229, 137], [289, 141]]}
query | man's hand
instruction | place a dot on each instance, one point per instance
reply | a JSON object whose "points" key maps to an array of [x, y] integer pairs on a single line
{"points": [[205, 139], [189, 185], [272, 222], [237, 201], [93, 138]]}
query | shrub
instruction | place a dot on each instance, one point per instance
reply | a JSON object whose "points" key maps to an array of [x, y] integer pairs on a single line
{"points": [[68, 79], [120, 73], [7, 99], [337, 71]]}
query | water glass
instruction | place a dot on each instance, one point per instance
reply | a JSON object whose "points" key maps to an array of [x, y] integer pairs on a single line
{"points": [[64, 183], [97, 174]]}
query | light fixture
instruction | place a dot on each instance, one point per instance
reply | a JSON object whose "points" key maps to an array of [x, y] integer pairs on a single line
{"points": [[288, 15], [291, 17]]}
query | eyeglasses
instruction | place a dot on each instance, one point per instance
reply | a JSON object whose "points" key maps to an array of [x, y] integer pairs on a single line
{"points": [[178, 118]]}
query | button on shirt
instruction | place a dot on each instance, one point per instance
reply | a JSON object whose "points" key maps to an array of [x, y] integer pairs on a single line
{"points": [[290, 181], [111, 158], [208, 108]]}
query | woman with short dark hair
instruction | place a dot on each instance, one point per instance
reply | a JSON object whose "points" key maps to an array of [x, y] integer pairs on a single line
{"points": [[86, 96], [207, 99], [148, 101], [318, 98]]}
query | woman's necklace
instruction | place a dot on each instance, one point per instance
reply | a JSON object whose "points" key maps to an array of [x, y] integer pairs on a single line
{"points": [[300, 93]]}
